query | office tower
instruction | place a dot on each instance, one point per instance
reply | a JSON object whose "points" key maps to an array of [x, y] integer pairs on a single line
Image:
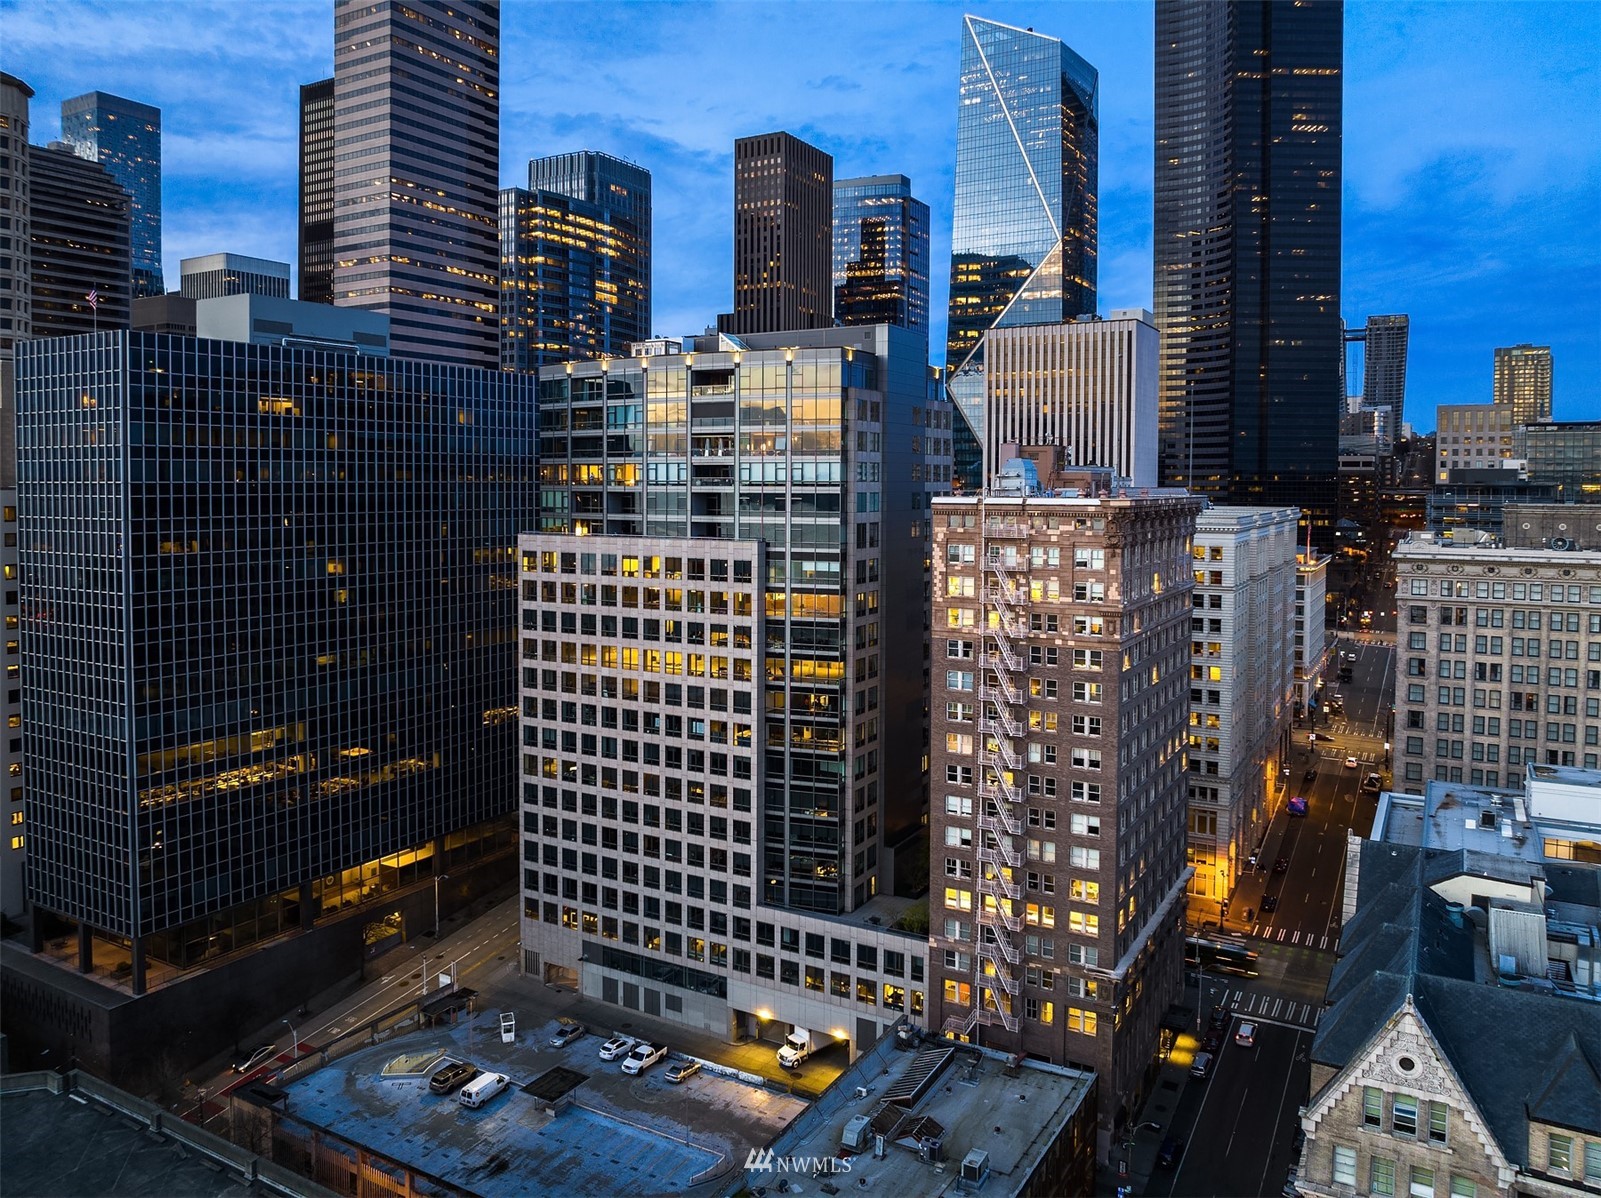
{"points": [[783, 223], [1087, 385], [316, 240], [725, 646], [1471, 436], [1498, 660], [1023, 238], [124, 136], [1242, 686], [213, 275], [575, 261], [1311, 639], [880, 253], [16, 324], [1057, 817], [290, 674], [1523, 381], [80, 248], [417, 140], [1247, 249], [1384, 366], [1565, 454]]}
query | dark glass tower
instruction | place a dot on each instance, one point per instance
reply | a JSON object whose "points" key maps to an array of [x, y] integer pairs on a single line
{"points": [[575, 261], [271, 591], [124, 136], [783, 221], [417, 190], [880, 253], [1247, 249], [317, 192], [1023, 237], [80, 244]]}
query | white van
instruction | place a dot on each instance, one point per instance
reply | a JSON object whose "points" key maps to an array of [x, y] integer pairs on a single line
{"points": [[482, 1088]]}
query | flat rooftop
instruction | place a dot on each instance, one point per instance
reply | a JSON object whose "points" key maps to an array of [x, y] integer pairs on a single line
{"points": [[610, 1133], [969, 1098], [1451, 815]]}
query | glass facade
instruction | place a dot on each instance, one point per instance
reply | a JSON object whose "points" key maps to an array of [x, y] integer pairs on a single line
{"points": [[80, 244], [880, 253], [1247, 249], [575, 261], [1023, 247], [271, 596], [1523, 381], [1565, 454], [317, 192], [124, 136]]}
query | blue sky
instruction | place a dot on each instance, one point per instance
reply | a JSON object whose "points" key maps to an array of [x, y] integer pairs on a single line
{"points": [[1472, 138]]}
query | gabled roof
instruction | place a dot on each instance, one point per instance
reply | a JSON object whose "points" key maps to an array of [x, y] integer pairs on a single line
{"points": [[1572, 1098]]}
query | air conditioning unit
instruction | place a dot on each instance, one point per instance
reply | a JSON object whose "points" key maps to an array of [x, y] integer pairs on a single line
{"points": [[1562, 543]]}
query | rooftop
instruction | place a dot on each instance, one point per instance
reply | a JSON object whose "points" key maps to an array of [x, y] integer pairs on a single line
{"points": [[965, 1097]]}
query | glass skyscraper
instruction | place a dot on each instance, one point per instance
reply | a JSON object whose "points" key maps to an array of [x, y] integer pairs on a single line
{"points": [[124, 136], [1247, 249], [271, 671], [574, 261], [316, 249], [1023, 237], [880, 253]]}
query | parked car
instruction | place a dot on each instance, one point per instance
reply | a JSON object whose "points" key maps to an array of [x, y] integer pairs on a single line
{"points": [[1310, 775], [1270, 903], [452, 1077], [617, 1046], [1219, 1019], [566, 1034], [680, 1071], [1168, 1154], [1245, 1035], [1281, 865], [1352, 763], [1212, 1043], [1202, 1065], [252, 1058], [1372, 784], [643, 1057], [1298, 806]]}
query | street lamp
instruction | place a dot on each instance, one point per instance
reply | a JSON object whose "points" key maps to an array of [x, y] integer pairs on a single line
{"points": [[438, 879], [296, 1036]]}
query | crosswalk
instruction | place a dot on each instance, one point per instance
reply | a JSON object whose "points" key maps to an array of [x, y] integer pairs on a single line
{"points": [[1267, 1008], [1272, 935]]}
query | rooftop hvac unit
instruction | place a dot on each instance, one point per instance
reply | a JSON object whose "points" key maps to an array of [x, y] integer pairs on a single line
{"points": [[1562, 543]]}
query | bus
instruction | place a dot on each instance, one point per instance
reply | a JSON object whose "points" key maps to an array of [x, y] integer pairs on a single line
{"points": [[1219, 956]]}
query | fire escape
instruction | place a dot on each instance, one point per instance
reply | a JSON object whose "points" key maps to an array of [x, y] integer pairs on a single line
{"points": [[1001, 695]]}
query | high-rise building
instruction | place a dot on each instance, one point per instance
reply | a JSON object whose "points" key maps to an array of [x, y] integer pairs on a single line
{"points": [[316, 240], [1311, 637], [16, 316], [416, 193], [1498, 660], [1523, 381], [575, 261], [80, 251], [1023, 238], [290, 674], [880, 253], [1086, 385], [1247, 249], [124, 136], [16, 324], [1471, 436], [783, 236], [1384, 365], [1565, 454], [1242, 685], [1058, 811], [213, 275]]}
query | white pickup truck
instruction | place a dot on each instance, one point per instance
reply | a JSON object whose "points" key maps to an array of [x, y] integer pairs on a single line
{"points": [[643, 1057]]}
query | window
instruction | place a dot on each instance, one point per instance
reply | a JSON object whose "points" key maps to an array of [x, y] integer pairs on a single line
{"points": [[1463, 1187], [1381, 1176], [1372, 1106], [1344, 1166], [1559, 1153], [1081, 1021], [1439, 1117], [1404, 1115], [1422, 1183], [1592, 1162]]}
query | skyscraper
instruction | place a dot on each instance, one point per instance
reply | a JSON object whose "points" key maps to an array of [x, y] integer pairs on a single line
{"points": [[290, 673], [1247, 249], [1023, 238], [416, 195], [783, 220], [575, 261], [80, 269], [213, 275], [316, 252], [1523, 381], [124, 136], [16, 317], [880, 253], [1384, 367]]}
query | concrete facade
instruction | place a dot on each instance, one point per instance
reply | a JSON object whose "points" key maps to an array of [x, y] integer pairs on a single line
{"points": [[1471, 436]]}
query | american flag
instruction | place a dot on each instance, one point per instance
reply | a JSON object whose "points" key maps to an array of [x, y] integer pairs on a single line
{"points": [[94, 298]]}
